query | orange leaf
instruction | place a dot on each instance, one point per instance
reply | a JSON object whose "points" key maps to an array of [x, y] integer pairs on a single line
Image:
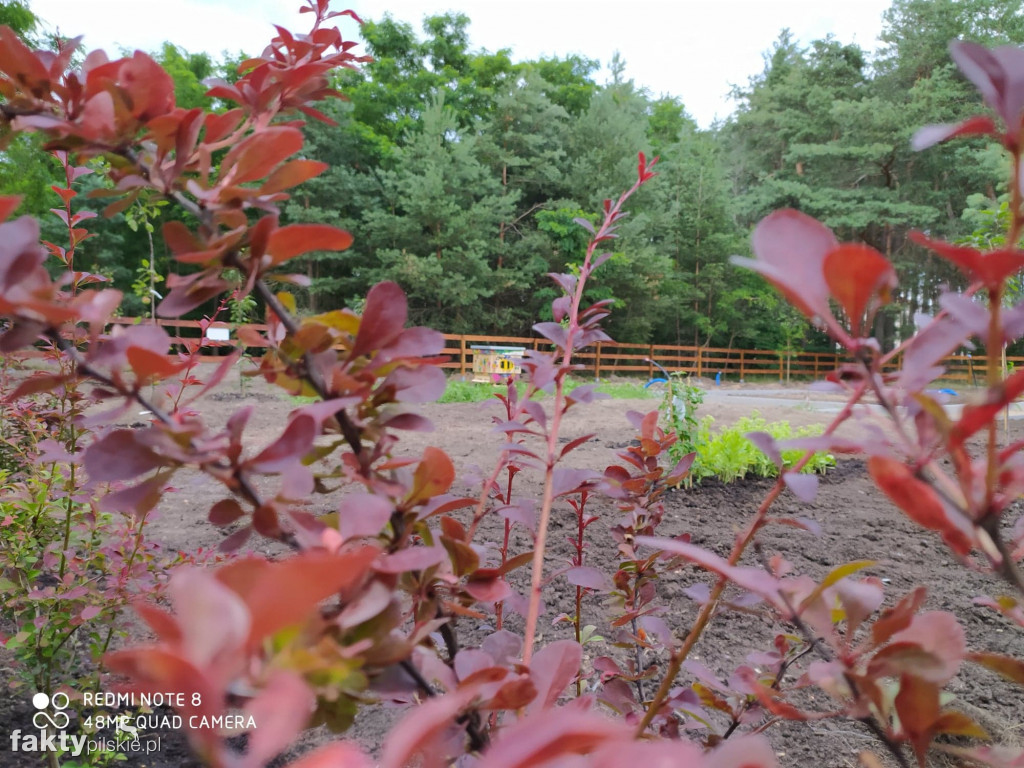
{"points": [[219, 126], [297, 239], [857, 275], [920, 502], [434, 475], [292, 174], [8, 204], [257, 155], [917, 705], [149, 365], [287, 592], [1007, 666]]}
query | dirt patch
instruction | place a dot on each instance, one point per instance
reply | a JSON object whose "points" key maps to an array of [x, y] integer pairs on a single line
{"points": [[855, 522]]}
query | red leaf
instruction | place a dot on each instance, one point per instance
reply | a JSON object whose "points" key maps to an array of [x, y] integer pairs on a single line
{"points": [[554, 332], [214, 619], [37, 382], [292, 174], [163, 670], [921, 503], [542, 739], [977, 416], [994, 72], [565, 480], [434, 475], [287, 592], [362, 514], [179, 238], [412, 559], [790, 249], [135, 500], [150, 89], [423, 732], [281, 710], [151, 366], [294, 443], [257, 155], [989, 267], [90, 612], [296, 239], [590, 578], [334, 755], [189, 292], [383, 318], [417, 385], [935, 134], [573, 444], [803, 486], [488, 590], [1007, 666], [552, 669], [119, 456], [917, 705], [931, 648], [897, 618], [225, 512], [743, 752], [8, 204], [17, 60], [860, 279], [752, 579], [452, 528], [215, 378], [161, 622], [236, 539], [219, 126]]}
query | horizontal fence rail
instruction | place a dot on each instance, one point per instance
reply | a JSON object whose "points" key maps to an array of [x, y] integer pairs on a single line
{"points": [[604, 359]]}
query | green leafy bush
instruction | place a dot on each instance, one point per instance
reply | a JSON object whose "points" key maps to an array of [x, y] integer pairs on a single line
{"points": [[729, 455]]}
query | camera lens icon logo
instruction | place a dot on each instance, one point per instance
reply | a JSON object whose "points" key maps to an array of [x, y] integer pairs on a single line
{"points": [[43, 719]]}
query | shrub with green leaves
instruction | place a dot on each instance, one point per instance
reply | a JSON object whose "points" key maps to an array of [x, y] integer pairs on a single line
{"points": [[729, 455]]}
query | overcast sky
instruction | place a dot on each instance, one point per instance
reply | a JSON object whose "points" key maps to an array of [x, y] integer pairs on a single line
{"points": [[694, 49]]}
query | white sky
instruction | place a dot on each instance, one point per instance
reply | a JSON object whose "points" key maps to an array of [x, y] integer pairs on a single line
{"points": [[693, 49]]}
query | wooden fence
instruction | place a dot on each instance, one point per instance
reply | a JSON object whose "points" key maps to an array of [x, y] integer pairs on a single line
{"points": [[607, 359]]}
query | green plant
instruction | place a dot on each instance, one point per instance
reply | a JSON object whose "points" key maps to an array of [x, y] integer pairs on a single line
{"points": [[69, 570], [730, 455], [680, 401], [459, 391], [146, 209], [146, 280]]}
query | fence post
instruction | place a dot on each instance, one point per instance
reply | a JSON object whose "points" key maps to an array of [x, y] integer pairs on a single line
{"points": [[462, 354], [650, 362], [780, 367], [743, 365], [700, 362]]}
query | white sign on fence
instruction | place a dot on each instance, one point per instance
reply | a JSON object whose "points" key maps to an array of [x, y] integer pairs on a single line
{"points": [[218, 334]]}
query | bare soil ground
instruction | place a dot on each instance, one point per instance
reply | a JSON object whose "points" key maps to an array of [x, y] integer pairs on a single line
{"points": [[856, 523]]}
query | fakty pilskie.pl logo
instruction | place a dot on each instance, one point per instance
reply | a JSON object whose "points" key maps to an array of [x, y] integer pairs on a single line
{"points": [[50, 720]]}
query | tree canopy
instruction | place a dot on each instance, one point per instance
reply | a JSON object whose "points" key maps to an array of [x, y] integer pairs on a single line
{"points": [[460, 172]]}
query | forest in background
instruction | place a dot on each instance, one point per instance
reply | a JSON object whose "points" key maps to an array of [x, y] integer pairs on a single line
{"points": [[460, 172]]}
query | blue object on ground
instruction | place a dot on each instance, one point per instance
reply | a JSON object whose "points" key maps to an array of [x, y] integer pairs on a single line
{"points": [[718, 379], [948, 391], [655, 381]]}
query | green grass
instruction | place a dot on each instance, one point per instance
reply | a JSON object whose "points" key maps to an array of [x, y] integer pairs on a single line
{"points": [[470, 392]]}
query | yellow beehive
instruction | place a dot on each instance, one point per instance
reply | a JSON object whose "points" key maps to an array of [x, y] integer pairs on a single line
{"points": [[494, 365]]}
